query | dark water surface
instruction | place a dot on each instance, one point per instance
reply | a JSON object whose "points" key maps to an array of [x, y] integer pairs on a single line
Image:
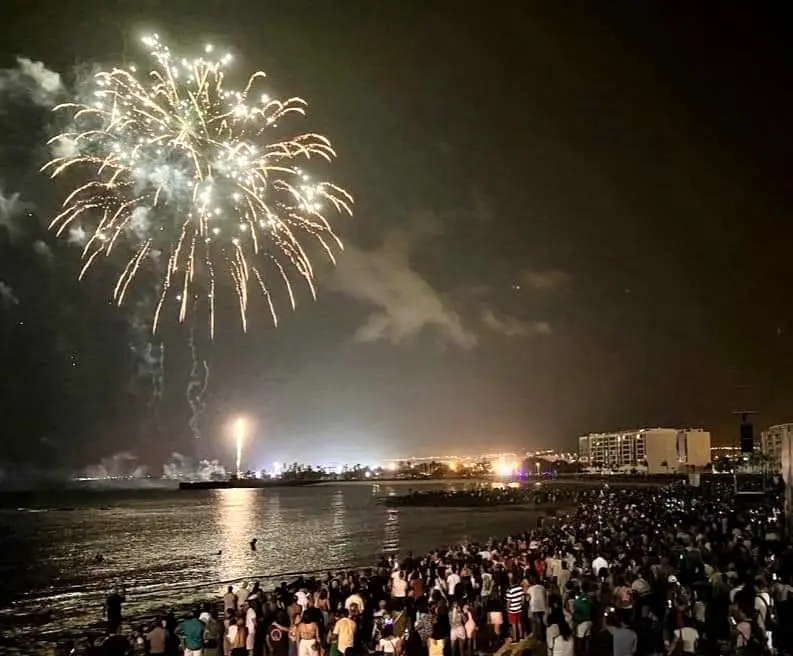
{"points": [[162, 545]]}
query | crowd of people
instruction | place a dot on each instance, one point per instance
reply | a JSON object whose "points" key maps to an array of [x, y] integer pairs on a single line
{"points": [[539, 493], [631, 572]]}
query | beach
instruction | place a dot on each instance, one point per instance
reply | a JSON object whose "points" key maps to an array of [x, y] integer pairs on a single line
{"points": [[163, 545]]}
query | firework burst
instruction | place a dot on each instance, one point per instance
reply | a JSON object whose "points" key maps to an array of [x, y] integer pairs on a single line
{"points": [[191, 177]]}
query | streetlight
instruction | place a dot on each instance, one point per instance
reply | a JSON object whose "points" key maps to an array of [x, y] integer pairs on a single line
{"points": [[239, 437]]}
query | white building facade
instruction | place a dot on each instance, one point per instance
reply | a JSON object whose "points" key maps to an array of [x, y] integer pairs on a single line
{"points": [[771, 442], [655, 450]]}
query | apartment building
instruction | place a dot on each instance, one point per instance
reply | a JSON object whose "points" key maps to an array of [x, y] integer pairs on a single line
{"points": [[771, 444], [660, 450]]}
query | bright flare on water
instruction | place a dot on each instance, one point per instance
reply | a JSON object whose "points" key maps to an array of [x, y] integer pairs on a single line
{"points": [[193, 178]]}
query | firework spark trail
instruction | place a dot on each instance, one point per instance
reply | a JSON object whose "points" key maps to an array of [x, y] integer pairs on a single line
{"points": [[191, 175], [196, 387], [150, 359], [149, 356], [156, 355]]}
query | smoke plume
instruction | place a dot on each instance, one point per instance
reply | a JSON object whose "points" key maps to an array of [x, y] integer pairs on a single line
{"points": [[180, 467], [119, 465], [196, 386], [33, 79], [7, 296]]}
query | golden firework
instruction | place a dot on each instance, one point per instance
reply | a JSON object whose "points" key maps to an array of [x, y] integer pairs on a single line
{"points": [[192, 176]]}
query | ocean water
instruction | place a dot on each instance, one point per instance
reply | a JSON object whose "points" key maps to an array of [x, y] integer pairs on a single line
{"points": [[170, 547]]}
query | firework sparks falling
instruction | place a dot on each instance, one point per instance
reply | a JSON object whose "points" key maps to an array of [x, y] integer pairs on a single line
{"points": [[193, 178]]}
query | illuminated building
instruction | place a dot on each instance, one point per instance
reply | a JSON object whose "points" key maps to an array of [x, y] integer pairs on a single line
{"points": [[656, 450], [771, 442]]}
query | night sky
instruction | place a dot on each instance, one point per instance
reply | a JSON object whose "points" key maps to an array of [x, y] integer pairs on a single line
{"points": [[566, 221]]}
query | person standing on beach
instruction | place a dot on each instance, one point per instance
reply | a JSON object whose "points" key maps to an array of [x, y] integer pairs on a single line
{"points": [[250, 626], [278, 636], [213, 635], [242, 594], [116, 645], [236, 638], [354, 599], [313, 615], [538, 607], [229, 601], [399, 589], [343, 637], [515, 599], [157, 638], [192, 632], [452, 581], [113, 605], [308, 642]]}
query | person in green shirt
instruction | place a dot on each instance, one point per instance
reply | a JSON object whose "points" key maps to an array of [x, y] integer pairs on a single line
{"points": [[192, 633]]}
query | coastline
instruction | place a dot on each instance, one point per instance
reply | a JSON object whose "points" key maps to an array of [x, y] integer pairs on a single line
{"points": [[143, 606]]}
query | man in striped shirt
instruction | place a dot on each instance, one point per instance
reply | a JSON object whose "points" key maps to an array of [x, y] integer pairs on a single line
{"points": [[515, 600]]}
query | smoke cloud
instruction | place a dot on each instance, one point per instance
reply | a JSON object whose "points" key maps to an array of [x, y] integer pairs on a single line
{"points": [[125, 465], [33, 79], [119, 465], [12, 211], [42, 248], [148, 356], [196, 387], [180, 467], [26, 93], [405, 303], [7, 296], [509, 326]]}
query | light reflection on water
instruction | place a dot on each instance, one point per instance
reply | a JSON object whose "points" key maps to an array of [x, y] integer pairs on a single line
{"points": [[163, 545], [339, 546], [391, 532], [235, 520]]}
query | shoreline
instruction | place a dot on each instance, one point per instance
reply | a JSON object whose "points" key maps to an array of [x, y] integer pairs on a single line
{"points": [[42, 641]]}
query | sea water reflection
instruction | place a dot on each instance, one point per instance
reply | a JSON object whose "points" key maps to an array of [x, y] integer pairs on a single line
{"points": [[339, 548], [297, 531], [171, 548], [235, 519]]}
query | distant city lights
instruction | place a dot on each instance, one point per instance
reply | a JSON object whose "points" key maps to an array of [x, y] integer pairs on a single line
{"points": [[505, 468]]}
